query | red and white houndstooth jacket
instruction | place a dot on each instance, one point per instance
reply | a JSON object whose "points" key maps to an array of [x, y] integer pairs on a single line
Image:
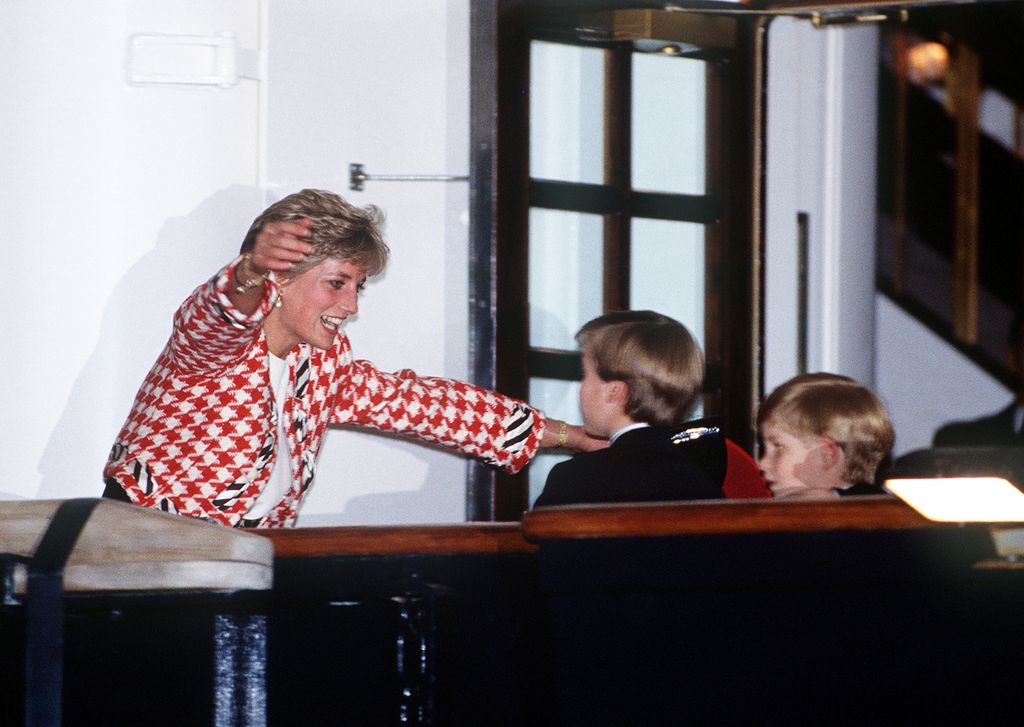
{"points": [[201, 437]]}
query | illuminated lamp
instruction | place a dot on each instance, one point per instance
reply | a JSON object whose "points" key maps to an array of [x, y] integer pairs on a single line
{"points": [[966, 485]]}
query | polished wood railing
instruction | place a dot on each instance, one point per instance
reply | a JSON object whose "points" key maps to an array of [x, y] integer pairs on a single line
{"points": [[398, 540], [707, 518], [581, 521]]}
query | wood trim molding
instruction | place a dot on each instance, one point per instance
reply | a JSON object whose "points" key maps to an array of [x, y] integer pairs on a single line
{"points": [[966, 90], [600, 521], [712, 518], [398, 540]]}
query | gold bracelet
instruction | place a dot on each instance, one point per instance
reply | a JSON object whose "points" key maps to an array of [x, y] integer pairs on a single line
{"points": [[563, 434], [243, 284]]}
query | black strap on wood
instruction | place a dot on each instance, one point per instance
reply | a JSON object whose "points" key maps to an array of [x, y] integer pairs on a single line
{"points": [[44, 613]]}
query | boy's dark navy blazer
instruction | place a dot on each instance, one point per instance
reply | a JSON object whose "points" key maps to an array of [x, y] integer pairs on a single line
{"points": [[642, 465]]}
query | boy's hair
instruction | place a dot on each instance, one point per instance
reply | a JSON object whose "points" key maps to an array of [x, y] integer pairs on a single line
{"points": [[837, 407], [340, 230], [656, 356]]}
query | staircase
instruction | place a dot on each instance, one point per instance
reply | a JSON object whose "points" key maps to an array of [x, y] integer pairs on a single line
{"points": [[951, 175]]}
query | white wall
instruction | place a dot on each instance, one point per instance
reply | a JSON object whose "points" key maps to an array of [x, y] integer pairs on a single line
{"points": [[119, 199], [925, 382], [116, 200], [821, 118], [385, 84]]}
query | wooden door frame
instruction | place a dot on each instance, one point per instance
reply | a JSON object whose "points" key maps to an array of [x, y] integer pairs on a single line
{"points": [[499, 183]]}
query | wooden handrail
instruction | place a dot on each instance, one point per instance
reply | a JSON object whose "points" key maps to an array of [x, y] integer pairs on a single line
{"points": [[591, 521], [399, 540], [707, 518], [965, 94]]}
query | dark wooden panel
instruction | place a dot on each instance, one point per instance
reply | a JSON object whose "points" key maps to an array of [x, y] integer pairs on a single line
{"points": [[550, 364]]}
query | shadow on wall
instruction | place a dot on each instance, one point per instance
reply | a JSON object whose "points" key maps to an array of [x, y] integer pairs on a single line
{"points": [[136, 323], [424, 466]]}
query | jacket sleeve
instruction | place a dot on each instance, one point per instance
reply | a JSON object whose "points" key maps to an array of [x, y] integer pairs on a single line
{"points": [[502, 431], [210, 335]]}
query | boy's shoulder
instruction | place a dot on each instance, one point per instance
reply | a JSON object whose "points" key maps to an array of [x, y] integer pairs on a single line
{"points": [[570, 481], [642, 465]]}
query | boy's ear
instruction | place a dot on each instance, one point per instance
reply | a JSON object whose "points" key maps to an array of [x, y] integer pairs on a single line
{"points": [[832, 454], [618, 392]]}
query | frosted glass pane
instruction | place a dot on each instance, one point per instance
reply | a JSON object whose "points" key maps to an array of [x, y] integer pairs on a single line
{"points": [[559, 400], [566, 112], [565, 275], [668, 124], [667, 271]]}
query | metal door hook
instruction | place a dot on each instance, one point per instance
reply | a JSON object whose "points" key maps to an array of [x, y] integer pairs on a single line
{"points": [[357, 177]]}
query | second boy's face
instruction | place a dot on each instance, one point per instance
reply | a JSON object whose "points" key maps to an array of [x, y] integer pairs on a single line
{"points": [[793, 466]]}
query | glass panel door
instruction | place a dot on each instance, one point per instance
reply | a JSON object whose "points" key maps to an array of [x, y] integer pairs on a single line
{"points": [[668, 123], [618, 204], [566, 118]]}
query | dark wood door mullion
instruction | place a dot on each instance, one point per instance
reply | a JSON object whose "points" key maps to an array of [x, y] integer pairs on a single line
{"points": [[502, 496], [713, 184], [618, 99]]}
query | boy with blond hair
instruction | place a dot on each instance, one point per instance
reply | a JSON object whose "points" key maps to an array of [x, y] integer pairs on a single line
{"points": [[642, 373], [823, 435]]}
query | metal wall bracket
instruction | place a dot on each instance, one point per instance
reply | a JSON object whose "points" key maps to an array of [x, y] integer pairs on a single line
{"points": [[358, 176], [156, 59]]}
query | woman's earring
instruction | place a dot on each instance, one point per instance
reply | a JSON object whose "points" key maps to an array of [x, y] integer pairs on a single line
{"points": [[280, 297]]}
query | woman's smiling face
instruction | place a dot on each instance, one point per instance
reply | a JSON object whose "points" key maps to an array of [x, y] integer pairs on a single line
{"points": [[314, 304]]}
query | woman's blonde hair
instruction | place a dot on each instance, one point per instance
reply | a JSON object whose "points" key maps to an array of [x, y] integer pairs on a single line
{"points": [[340, 230], [656, 356], [837, 407]]}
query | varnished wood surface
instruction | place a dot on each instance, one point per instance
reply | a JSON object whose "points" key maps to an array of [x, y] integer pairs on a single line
{"points": [[590, 521], [399, 539], [736, 516]]}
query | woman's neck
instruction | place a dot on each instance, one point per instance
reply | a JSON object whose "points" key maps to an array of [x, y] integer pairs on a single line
{"points": [[279, 341]]}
